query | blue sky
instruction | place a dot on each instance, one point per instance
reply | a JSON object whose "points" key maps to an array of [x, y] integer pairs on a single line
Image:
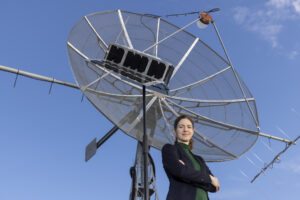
{"points": [[43, 137]]}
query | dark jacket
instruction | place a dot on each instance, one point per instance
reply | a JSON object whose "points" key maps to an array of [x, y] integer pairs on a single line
{"points": [[184, 179]]}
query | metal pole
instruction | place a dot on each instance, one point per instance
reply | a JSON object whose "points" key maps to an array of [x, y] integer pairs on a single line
{"points": [[157, 43], [236, 77], [107, 136], [145, 148], [36, 76], [92, 147]]}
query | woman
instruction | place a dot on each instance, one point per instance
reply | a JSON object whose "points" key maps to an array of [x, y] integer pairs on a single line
{"points": [[190, 178]]}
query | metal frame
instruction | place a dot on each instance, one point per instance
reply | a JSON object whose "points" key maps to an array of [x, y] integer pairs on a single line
{"points": [[52, 80], [236, 77], [169, 36], [275, 159], [124, 29], [201, 81], [96, 33], [184, 57]]}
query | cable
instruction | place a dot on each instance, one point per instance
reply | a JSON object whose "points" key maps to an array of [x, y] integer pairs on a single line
{"points": [[184, 14]]}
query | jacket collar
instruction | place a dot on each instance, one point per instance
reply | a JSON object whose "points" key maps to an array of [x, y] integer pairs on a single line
{"points": [[183, 153], [198, 158]]}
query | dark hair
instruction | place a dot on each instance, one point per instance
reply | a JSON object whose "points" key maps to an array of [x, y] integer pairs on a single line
{"points": [[177, 120]]}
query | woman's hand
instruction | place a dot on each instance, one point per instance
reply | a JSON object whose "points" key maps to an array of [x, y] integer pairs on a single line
{"points": [[215, 182]]}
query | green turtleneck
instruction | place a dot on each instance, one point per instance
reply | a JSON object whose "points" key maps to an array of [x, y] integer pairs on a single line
{"points": [[200, 194]]}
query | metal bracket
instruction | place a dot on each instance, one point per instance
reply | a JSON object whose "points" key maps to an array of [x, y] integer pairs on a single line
{"points": [[92, 147], [15, 83]]}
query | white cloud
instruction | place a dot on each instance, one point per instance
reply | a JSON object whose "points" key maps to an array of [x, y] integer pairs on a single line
{"points": [[295, 111], [285, 4], [279, 3], [289, 7], [240, 14], [268, 21], [268, 31], [293, 54], [291, 166], [260, 22], [296, 5]]}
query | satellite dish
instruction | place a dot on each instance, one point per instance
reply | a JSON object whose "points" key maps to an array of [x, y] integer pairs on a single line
{"points": [[114, 53]]}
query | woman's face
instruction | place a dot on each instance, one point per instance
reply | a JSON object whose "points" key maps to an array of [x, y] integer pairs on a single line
{"points": [[184, 131]]}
